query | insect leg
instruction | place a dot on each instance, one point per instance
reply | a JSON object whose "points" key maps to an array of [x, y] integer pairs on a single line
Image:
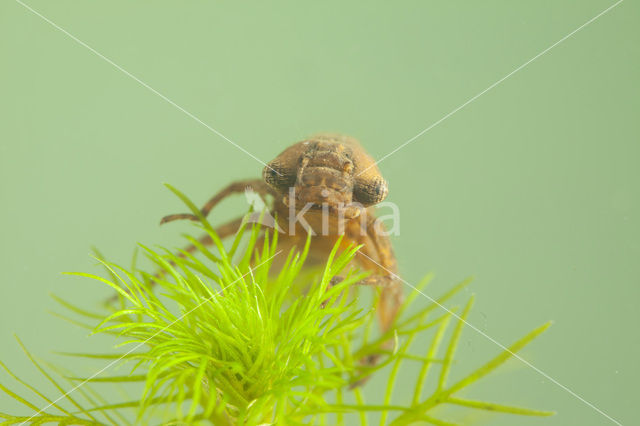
{"points": [[380, 254], [334, 281], [223, 231], [257, 185], [377, 255]]}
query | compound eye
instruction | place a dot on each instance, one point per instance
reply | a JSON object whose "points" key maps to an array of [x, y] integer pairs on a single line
{"points": [[278, 177], [370, 192]]}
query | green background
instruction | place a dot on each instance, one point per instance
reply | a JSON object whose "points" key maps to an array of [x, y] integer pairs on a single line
{"points": [[532, 188]]}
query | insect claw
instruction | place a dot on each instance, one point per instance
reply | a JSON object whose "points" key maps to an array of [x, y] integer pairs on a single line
{"points": [[172, 217], [334, 281]]}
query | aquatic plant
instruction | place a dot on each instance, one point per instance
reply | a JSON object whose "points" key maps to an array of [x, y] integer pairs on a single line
{"points": [[223, 341]]}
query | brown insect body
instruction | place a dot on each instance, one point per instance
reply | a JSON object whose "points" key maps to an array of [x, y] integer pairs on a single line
{"points": [[339, 182]]}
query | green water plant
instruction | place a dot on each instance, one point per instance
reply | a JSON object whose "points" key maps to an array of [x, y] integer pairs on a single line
{"points": [[223, 339]]}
